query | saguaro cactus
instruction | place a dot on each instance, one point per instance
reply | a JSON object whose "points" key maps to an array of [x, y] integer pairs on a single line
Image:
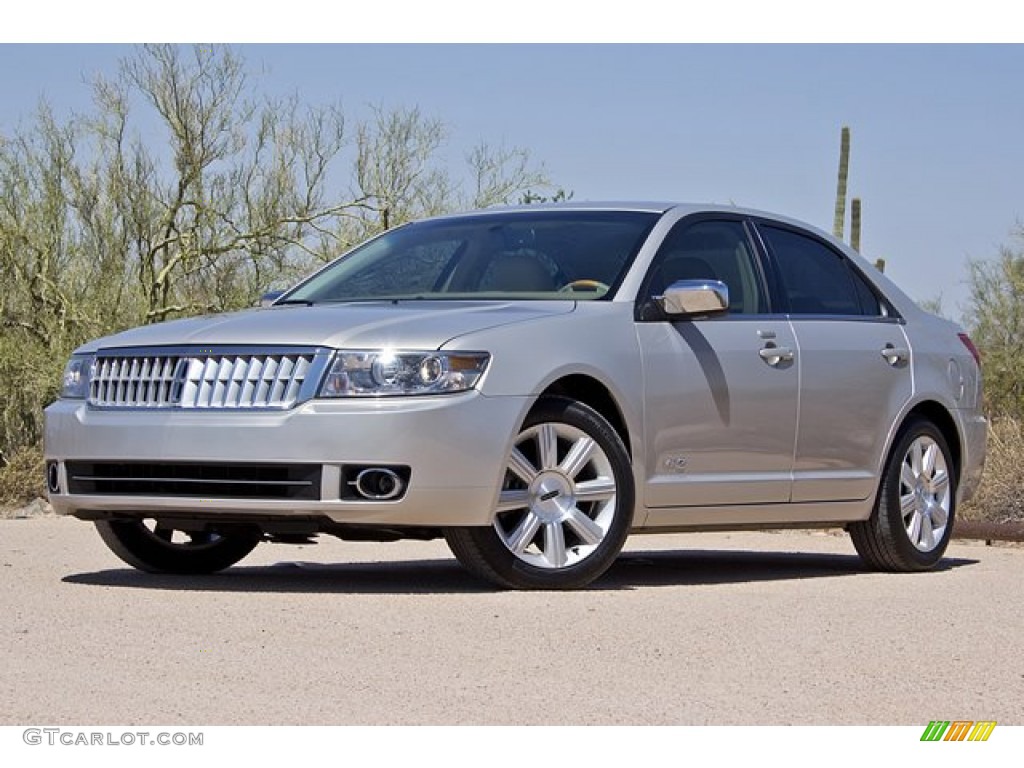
{"points": [[855, 204], [855, 224], [844, 170]]}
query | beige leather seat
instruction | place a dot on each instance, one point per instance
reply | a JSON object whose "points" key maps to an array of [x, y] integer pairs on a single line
{"points": [[518, 272]]}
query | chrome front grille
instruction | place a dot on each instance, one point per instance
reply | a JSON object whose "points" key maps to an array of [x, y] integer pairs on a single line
{"points": [[205, 378]]}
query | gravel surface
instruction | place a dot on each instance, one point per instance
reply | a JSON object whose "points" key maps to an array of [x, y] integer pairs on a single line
{"points": [[35, 508], [738, 628]]}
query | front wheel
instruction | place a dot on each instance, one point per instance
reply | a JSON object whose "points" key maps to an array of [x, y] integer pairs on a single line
{"points": [[565, 506], [157, 548], [913, 515]]}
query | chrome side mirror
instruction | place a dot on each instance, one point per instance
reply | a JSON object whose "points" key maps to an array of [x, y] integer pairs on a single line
{"points": [[695, 297]]}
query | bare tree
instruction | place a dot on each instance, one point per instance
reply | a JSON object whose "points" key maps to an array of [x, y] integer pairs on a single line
{"points": [[183, 190]]}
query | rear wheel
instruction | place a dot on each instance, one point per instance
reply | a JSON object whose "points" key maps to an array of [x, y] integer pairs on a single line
{"points": [[565, 507], [157, 548], [910, 526]]}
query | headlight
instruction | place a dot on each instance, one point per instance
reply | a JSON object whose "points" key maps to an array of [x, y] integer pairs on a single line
{"points": [[76, 377], [386, 372]]}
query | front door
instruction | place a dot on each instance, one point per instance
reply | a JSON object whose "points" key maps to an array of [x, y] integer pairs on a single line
{"points": [[721, 392], [720, 419]]}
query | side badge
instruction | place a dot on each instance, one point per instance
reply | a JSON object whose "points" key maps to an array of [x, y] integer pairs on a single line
{"points": [[674, 464]]}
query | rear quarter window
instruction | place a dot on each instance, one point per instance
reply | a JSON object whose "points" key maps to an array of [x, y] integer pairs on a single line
{"points": [[816, 280]]}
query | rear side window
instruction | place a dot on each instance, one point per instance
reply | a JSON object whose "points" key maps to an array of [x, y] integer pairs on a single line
{"points": [[817, 280]]}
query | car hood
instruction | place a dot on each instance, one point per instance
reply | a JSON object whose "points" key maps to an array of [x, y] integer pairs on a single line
{"points": [[363, 325]]}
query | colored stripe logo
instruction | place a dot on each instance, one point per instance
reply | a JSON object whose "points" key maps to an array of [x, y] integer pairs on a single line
{"points": [[958, 730]]}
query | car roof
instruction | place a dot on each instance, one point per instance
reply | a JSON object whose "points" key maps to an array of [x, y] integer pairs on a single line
{"points": [[574, 205], [644, 206]]}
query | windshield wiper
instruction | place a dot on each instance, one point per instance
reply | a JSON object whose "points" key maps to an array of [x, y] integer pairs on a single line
{"points": [[306, 302]]}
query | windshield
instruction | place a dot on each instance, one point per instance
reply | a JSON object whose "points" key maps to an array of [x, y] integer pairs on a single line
{"points": [[525, 255]]}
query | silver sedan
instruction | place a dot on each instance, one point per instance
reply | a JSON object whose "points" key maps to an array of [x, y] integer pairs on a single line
{"points": [[534, 384]]}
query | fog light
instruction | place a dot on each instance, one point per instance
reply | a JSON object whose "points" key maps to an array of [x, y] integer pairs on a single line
{"points": [[53, 477], [379, 484]]}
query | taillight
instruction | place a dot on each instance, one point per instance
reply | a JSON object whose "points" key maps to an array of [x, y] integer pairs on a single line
{"points": [[971, 348]]}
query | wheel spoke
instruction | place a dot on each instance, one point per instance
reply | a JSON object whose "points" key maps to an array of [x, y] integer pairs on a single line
{"points": [[517, 498], [914, 529], [917, 458], [524, 533], [521, 466], [163, 532], [928, 460], [577, 457], [939, 484], [554, 544], [589, 531], [927, 534], [908, 505], [939, 516], [598, 489], [547, 445], [907, 476]]}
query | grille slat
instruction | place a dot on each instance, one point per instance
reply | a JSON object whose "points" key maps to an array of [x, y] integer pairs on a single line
{"points": [[186, 479], [211, 378]]}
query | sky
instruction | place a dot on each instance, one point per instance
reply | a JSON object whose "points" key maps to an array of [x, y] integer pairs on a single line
{"points": [[937, 130]]}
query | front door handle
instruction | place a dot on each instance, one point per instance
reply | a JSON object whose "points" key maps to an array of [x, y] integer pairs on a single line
{"points": [[774, 355], [895, 355]]}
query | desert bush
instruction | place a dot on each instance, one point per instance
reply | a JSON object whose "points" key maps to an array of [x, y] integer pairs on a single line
{"points": [[1001, 496], [995, 317], [22, 477]]}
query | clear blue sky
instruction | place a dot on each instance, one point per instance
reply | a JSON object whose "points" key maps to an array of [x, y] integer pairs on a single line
{"points": [[938, 131]]}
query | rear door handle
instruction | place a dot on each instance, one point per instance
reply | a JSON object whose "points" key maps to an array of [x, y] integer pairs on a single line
{"points": [[895, 355], [774, 355]]}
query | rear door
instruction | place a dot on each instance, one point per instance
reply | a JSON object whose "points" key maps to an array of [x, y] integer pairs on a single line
{"points": [[855, 366]]}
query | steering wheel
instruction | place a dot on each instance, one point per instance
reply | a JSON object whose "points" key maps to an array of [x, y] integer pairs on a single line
{"points": [[584, 285]]}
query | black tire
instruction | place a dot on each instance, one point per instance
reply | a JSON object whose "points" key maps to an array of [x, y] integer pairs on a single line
{"points": [[154, 549], [890, 540], [575, 512]]}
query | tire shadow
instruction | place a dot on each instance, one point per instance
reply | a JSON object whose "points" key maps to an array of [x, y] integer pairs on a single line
{"points": [[633, 570]]}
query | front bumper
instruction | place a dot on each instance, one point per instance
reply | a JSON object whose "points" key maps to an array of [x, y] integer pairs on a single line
{"points": [[455, 447]]}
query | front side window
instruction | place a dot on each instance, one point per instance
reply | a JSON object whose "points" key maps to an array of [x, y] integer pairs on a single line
{"points": [[817, 280], [711, 250], [524, 255]]}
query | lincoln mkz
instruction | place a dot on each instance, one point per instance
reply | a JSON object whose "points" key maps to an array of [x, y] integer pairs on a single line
{"points": [[534, 384]]}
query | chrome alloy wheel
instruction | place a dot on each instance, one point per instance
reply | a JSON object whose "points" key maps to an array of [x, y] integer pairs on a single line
{"points": [[558, 498], [925, 495]]}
